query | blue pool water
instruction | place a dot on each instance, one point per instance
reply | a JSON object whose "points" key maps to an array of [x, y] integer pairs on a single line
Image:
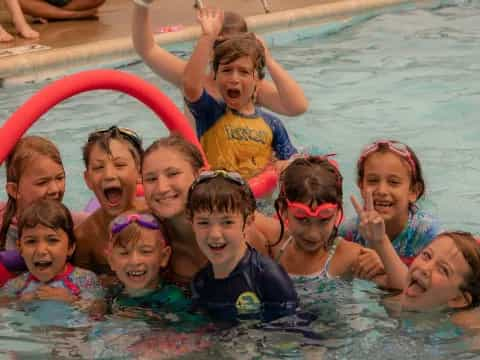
{"points": [[409, 75]]}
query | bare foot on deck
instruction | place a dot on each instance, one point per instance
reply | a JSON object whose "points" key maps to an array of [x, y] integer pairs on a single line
{"points": [[4, 35]]}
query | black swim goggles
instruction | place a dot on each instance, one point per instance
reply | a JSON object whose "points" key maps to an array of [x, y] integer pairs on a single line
{"points": [[128, 134]]}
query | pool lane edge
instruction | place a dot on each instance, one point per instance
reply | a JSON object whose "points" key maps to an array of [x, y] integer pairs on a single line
{"points": [[55, 62]]}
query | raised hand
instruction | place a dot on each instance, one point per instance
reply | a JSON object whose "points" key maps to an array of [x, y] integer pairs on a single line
{"points": [[211, 21], [372, 225]]}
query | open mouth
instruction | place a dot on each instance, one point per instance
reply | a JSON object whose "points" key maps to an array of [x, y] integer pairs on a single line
{"points": [[113, 195], [415, 288], [233, 93], [217, 247], [136, 274], [42, 264], [382, 205]]}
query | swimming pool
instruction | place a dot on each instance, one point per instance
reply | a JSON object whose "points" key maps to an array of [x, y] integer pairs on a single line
{"points": [[413, 76]]}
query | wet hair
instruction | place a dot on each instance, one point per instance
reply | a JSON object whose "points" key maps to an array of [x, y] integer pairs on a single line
{"points": [[25, 151], [416, 177], [311, 180], [231, 48], [222, 195], [176, 142], [132, 233], [49, 213], [102, 138], [233, 23], [469, 246]]}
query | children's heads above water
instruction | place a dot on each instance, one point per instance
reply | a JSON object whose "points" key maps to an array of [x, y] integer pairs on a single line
{"points": [[137, 251], [445, 274], [112, 160], [34, 171], [169, 167], [392, 172], [310, 201]]}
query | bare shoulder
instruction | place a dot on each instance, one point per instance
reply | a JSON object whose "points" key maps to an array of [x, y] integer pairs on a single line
{"points": [[348, 251], [88, 228]]}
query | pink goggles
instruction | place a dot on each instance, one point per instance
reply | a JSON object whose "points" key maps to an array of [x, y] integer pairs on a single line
{"points": [[392, 145], [302, 211], [147, 221]]}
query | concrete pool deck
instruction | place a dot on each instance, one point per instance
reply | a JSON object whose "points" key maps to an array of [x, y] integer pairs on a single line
{"points": [[64, 45]]}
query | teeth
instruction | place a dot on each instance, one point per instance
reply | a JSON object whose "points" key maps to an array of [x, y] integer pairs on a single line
{"points": [[136, 273], [216, 246]]}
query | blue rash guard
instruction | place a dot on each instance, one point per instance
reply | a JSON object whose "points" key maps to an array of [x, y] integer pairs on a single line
{"points": [[256, 287]]}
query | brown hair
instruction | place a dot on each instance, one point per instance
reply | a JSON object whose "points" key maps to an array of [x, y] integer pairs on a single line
{"points": [[176, 142], [50, 213], [103, 139], [233, 23], [312, 180], [469, 246], [220, 194], [231, 48], [19, 159], [416, 177]]}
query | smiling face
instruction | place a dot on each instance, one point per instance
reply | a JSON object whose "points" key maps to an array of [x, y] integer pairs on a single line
{"points": [[45, 251], [388, 177], [113, 177], [237, 81], [435, 277], [42, 178], [221, 237], [167, 176], [137, 263], [311, 234]]}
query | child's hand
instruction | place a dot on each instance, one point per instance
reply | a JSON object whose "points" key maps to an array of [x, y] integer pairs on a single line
{"points": [[26, 297], [264, 44], [369, 265], [211, 21], [51, 293], [372, 225]]}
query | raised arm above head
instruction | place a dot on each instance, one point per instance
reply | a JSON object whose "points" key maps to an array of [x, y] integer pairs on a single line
{"points": [[211, 21], [161, 61]]}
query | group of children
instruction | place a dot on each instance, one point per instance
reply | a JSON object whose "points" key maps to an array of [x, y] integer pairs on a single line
{"points": [[199, 230]]}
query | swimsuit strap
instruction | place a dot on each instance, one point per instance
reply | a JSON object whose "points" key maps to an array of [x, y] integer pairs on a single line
{"points": [[63, 277], [283, 248], [331, 252]]}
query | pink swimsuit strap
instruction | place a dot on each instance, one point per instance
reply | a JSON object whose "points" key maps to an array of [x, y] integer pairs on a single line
{"points": [[63, 277]]}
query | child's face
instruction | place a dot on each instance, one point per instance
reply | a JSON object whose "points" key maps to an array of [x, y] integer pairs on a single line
{"points": [[42, 178], [237, 82], [45, 251], [113, 177], [167, 177], [310, 233], [221, 237], [138, 264], [388, 177], [435, 276]]}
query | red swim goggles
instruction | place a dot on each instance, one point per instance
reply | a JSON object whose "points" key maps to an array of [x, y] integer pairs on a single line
{"points": [[392, 145], [302, 211]]}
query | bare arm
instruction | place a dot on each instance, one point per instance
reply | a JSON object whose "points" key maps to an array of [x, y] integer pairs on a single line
{"points": [[372, 229], [283, 96], [168, 66], [194, 76]]}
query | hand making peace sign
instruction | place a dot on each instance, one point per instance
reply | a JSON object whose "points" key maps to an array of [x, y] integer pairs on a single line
{"points": [[372, 225]]}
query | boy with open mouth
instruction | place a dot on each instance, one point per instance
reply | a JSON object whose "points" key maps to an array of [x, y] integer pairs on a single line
{"points": [[112, 161]]}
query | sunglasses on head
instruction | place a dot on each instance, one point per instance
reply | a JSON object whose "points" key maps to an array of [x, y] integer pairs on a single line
{"points": [[130, 135], [147, 221], [395, 147]]}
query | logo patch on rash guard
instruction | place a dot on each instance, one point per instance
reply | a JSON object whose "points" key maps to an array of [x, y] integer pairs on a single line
{"points": [[247, 303], [246, 134]]}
